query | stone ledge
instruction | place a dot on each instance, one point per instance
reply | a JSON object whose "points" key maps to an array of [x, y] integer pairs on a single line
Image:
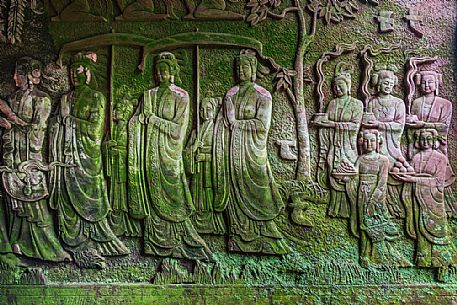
{"points": [[129, 294]]}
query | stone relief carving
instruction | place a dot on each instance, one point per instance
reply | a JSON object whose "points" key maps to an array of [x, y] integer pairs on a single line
{"points": [[415, 22], [244, 183], [161, 195], [367, 192], [79, 190], [117, 158], [385, 21], [128, 178], [338, 129]]}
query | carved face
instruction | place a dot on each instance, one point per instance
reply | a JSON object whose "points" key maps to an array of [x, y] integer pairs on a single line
{"points": [[369, 142], [80, 75], [340, 88], [386, 85], [426, 140], [207, 111], [244, 70], [428, 84], [163, 73], [20, 79]]}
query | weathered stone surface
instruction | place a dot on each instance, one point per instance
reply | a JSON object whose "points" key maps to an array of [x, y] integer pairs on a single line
{"points": [[223, 152]]}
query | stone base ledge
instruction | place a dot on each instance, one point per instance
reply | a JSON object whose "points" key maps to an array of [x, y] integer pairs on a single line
{"points": [[138, 294]]}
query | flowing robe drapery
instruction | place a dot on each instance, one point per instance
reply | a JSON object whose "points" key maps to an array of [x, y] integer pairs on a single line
{"points": [[158, 189], [428, 222], [243, 179], [337, 145], [119, 219], [79, 191], [391, 114], [31, 228], [371, 219], [206, 219]]}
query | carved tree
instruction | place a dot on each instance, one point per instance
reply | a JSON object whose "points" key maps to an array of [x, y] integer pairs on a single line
{"points": [[291, 82]]}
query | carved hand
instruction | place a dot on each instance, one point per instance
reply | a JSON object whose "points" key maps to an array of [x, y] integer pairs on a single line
{"points": [[4, 123], [325, 124], [200, 158], [371, 125], [16, 120], [416, 124], [404, 178]]}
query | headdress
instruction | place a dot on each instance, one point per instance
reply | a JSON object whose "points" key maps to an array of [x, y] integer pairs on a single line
{"points": [[343, 72], [169, 59], [383, 72], [85, 59], [31, 68]]}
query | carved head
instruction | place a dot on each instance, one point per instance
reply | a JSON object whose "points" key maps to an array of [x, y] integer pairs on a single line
{"points": [[426, 139], [166, 68], [384, 80], [122, 110], [343, 80], [370, 140], [27, 72], [81, 68], [247, 65], [208, 108], [429, 81]]}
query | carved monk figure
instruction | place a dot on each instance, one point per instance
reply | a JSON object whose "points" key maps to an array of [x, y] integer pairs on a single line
{"points": [[208, 217], [389, 112], [119, 219], [158, 189], [367, 191], [427, 221], [338, 141], [31, 228], [79, 190], [242, 178]]}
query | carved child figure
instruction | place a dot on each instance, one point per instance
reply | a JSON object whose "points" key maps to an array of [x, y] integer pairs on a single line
{"points": [[367, 191], [31, 226], [119, 219], [208, 218], [79, 190]]}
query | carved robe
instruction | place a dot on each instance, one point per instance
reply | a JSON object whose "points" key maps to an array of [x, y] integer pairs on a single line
{"points": [[339, 144], [158, 189], [206, 218], [371, 218], [439, 112], [79, 191], [243, 179], [30, 223], [428, 220], [119, 219], [391, 115]]}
